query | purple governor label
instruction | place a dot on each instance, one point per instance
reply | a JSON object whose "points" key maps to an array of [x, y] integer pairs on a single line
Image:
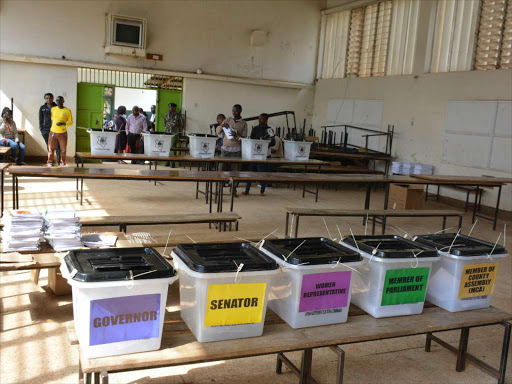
{"points": [[324, 291], [124, 318]]}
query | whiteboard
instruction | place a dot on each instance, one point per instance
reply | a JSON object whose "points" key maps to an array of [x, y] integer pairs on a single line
{"points": [[359, 113], [471, 116], [479, 134], [504, 119], [472, 151], [368, 113], [340, 111], [501, 157]]}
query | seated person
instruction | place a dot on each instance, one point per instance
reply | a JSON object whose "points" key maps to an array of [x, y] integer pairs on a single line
{"points": [[261, 131], [9, 137]]}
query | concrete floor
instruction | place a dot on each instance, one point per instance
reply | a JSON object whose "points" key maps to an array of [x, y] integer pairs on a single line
{"points": [[34, 342]]}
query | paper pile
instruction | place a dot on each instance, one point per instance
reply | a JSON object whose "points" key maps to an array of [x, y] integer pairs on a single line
{"points": [[22, 230], [399, 168], [62, 229]]}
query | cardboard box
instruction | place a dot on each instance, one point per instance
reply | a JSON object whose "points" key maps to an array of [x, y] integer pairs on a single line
{"points": [[57, 283], [405, 196]]}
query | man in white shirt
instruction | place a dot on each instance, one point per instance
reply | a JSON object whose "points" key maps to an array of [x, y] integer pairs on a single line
{"points": [[135, 125]]}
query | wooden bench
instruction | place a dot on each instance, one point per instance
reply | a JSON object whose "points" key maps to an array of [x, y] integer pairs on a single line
{"points": [[332, 169], [467, 189], [220, 218], [179, 346], [4, 153], [372, 215]]}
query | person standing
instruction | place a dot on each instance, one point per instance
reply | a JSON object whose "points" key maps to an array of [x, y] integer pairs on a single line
{"points": [[45, 120], [9, 137], [152, 119], [61, 120], [174, 123], [135, 124], [261, 131], [120, 127], [236, 128]]}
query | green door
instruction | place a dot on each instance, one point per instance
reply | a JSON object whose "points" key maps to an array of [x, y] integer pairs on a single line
{"points": [[89, 113], [165, 97]]}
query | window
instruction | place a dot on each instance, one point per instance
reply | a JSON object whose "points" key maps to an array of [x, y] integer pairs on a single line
{"points": [[374, 40], [472, 34], [494, 34], [454, 36]]}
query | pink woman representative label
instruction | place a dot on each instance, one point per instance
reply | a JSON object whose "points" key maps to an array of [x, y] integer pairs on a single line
{"points": [[324, 291]]}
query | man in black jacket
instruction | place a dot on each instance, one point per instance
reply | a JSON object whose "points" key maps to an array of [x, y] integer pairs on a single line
{"points": [[45, 121], [261, 131]]}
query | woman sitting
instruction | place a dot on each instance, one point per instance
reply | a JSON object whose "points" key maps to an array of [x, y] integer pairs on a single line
{"points": [[9, 137]]}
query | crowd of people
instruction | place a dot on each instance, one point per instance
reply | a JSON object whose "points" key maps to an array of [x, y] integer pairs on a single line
{"points": [[54, 118]]}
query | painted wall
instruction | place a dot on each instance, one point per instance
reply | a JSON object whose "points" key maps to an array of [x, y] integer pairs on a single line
{"points": [[204, 100], [27, 84], [143, 98], [417, 108], [211, 35]]}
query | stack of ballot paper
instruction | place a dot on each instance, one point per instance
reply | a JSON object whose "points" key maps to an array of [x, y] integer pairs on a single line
{"points": [[62, 229], [22, 230]]}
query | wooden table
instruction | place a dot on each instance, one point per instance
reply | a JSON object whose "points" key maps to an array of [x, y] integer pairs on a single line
{"points": [[179, 346], [470, 181], [117, 174]]}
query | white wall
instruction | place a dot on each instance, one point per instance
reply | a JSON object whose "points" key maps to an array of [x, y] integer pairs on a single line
{"points": [[143, 98], [212, 35], [204, 100], [417, 108], [27, 84]]}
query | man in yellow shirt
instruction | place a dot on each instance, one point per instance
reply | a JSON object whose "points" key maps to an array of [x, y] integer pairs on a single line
{"points": [[61, 120]]}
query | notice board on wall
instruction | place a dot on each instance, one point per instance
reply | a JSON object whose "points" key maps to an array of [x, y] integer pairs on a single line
{"points": [[478, 134]]}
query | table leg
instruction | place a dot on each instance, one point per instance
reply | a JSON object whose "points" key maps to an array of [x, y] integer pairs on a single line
{"points": [[81, 191], [221, 195], [286, 225], [82, 162], [438, 192], [13, 193], [210, 189], [386, 201], [497, 208], [426, 192], [2, 213], [463, 348], [504, 353], [305, 366], [104, 378], [341, 363], [444, 222], [232, 195], [316, 195], [17, 193], [156, 167], [96, 378], [367, 200], [279, 364], [474, 207], [297, 226]]}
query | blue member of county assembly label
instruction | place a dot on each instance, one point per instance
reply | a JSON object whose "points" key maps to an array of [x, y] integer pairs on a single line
{"points": [[124, 318]]}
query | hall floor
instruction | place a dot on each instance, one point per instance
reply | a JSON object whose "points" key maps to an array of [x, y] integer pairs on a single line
{"points": [[34, 346]]}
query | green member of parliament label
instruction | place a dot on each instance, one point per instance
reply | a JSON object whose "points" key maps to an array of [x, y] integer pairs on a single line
{"points": [[405, 286]]}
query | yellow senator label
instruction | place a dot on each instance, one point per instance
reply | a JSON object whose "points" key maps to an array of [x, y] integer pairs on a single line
{"points": [[230, 304], [478, 280]]}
